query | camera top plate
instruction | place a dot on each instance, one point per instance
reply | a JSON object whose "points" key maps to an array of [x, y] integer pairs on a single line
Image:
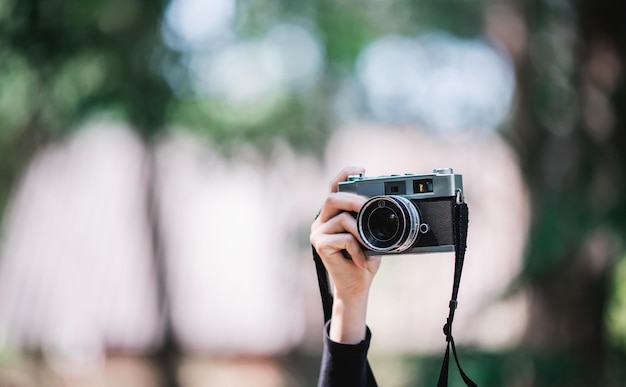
{"points": [[443, 182]]}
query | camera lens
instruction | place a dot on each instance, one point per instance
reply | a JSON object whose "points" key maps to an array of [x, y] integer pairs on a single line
{"points": [[384, 223], [388, 223]]}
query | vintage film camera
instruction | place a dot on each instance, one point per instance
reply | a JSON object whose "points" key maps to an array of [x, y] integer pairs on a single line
{"points": [[407, 214]]}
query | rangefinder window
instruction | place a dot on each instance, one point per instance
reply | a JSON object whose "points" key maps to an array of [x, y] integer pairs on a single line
{"points": [[395, 188], [422, 186]]}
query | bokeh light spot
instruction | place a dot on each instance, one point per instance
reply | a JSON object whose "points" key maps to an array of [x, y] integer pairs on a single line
{"points": [[444, 83]]}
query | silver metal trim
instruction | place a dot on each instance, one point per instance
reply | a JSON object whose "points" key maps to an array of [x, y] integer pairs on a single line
{"points": [[416, 250]]}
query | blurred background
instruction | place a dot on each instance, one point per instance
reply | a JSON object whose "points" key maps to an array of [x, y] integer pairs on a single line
{"points": [[161, 163]]}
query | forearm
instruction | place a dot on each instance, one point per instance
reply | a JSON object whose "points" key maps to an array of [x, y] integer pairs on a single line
{"points": [[348, 323]]}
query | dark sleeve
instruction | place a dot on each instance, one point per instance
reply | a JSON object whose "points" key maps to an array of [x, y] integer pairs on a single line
{"points": [[345, 365]]}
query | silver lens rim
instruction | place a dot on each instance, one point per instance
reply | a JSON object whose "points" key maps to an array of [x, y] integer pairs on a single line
{"points": [[410, 223]]}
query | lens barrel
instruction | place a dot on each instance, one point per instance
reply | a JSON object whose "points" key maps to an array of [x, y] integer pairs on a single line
{"points": [[388, 223]]}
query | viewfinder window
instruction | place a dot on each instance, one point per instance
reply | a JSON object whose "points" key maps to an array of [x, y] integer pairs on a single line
{"points": [[395, 188], [423, 186]]}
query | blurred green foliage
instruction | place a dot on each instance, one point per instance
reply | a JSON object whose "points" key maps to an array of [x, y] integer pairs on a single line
{"points": [[63, 61], [73, 59], [616, 318]]}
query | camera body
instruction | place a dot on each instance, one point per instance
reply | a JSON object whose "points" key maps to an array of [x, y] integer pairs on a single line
{"points": [[407, 214]]}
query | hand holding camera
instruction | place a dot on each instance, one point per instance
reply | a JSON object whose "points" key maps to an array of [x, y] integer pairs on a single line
{"points": [[335, 237]]}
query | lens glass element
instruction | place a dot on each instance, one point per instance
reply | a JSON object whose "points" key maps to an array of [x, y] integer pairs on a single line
{"points": [[384, 223]]}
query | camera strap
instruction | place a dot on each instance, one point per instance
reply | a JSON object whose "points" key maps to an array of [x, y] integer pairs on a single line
{"points": [[460, 223]]}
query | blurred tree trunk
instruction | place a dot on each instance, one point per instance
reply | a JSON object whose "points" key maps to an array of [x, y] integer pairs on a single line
{"points": [[122, 42], [570, 139]]}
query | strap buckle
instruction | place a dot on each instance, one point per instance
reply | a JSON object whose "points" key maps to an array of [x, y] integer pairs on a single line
{"points": [[459, 197]]}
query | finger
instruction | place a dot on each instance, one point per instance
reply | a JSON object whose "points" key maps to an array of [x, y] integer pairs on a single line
{"points": [[373, 262], [343, 175], [329, 246], [340, 224], [338, 202], [357, 255]]}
